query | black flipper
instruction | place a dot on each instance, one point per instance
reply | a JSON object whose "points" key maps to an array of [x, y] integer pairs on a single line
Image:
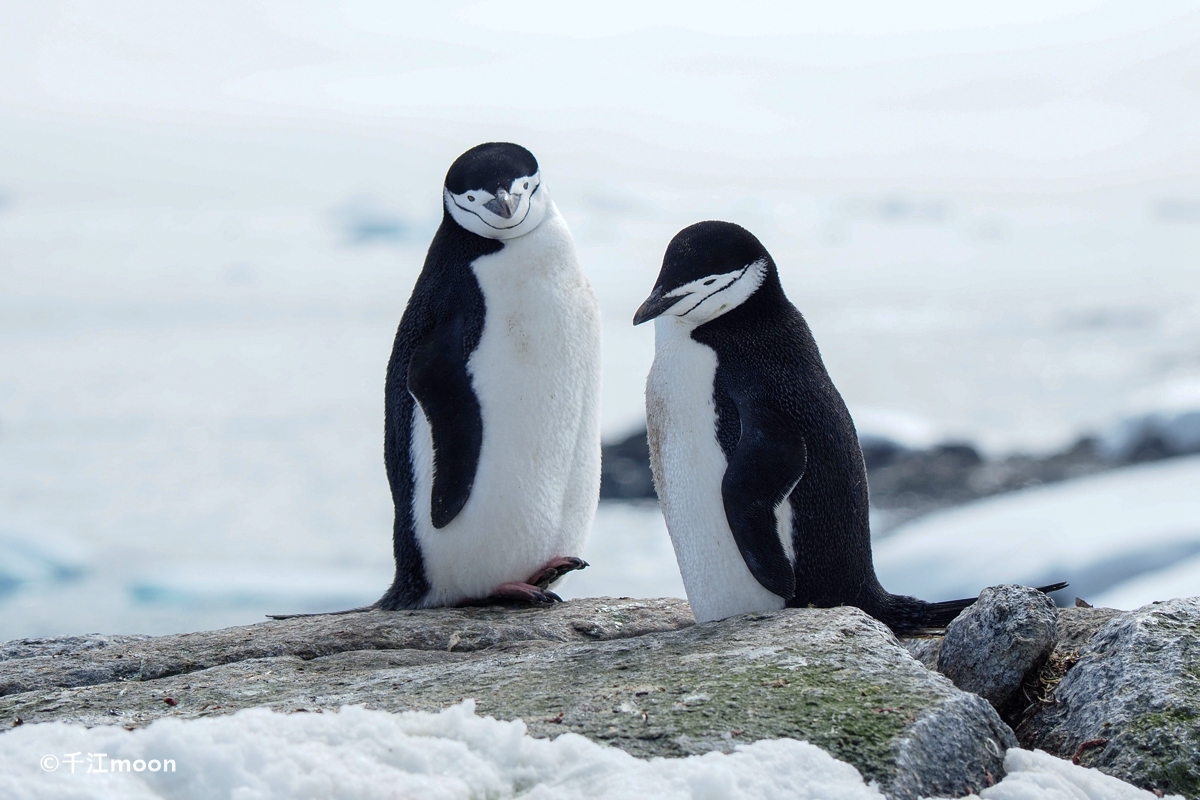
{"points": [[438, 379], [760, 475]]}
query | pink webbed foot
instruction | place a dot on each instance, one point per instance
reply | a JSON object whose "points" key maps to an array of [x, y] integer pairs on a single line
{"points": [[536, 590], [555, 570], [525, 593], [510, 593]]}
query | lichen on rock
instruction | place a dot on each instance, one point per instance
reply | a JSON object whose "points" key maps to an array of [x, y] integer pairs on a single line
{"points": [[1130, 706]]}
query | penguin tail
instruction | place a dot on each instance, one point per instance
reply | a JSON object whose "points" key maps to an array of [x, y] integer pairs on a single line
{"points": [[908, 616], [358, 610]]}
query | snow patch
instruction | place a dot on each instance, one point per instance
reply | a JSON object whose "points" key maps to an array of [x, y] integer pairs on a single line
{"points": [[1035, 775], [1179, 580], [1098, 533], [363, 754], [215, 585], [450, 755], [44, 559]]}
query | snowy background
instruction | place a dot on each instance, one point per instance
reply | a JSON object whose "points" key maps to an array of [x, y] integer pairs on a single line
{"points": [[211, 215]]}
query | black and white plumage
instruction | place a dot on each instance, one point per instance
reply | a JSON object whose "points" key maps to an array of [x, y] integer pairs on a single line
{"points": [[492, 440], [755, 457]]}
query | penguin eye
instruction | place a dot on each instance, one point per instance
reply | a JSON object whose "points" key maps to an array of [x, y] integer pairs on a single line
{"points": [[710, 281], [526, 184], [471, 197]]}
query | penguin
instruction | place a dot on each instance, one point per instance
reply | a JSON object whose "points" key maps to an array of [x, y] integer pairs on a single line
{"points": [[755, 458], [492, 427]]}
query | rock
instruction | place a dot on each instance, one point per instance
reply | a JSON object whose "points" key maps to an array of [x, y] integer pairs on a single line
{"points": [[90, 660], [60, 645], [1077, 626], [616, 671], [1130, 706], [1152, 437], [625, 469], [905, 482], [999, 643], [942, 753], [909, 482], [924, 649]]}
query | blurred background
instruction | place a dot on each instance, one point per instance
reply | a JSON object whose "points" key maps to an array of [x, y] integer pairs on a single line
{"points": [[211, 215]]}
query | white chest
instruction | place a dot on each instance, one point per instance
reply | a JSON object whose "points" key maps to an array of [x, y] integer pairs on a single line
{"points": [[540, 309], [688, 466], [536, 374]]}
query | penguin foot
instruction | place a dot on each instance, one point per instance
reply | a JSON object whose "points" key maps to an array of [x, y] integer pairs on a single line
{"points": [[555, 570], [523, 593]]}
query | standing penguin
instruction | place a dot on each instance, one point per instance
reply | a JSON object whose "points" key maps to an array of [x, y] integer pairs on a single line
{"points": [[492, 439], [755, 458]]}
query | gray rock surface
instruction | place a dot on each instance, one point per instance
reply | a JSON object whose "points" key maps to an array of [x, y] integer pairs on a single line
{"points": [[925, 649], [88, 660], [999, 643], [1076, 627], [61, 645], [633, 674], [931, 756], [1134, 695]]}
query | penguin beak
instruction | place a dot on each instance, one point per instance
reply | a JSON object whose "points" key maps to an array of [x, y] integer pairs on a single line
{"points": [[503, 204], [654, 306]]}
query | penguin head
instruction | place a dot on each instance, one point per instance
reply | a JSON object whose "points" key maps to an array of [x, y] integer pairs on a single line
{"points": [[709, 269], [494, 190]]}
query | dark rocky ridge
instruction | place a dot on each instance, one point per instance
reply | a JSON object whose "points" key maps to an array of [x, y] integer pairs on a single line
{"points": [[906, 482]]}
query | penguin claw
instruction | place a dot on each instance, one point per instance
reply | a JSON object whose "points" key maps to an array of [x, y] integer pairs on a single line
{"points": [[524, 592], [555, 569], [534, 591]]}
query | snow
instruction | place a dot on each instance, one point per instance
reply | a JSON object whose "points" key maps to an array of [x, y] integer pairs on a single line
{"points": [[1099, 533], [630, 555], [1177, 580], [43, 560], [1035, 775], [358, 754]]}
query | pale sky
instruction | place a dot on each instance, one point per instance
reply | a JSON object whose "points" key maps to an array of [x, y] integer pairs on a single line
{"points": [[992, 98]]}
